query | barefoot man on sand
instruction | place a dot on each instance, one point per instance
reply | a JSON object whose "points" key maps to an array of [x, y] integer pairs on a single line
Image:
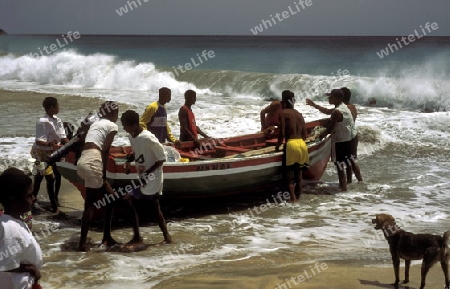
{"points": [[342, 130], [92, 168], [148, 156], [295, 157], [351, 164]]}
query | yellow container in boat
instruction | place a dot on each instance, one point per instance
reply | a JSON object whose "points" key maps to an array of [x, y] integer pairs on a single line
{"points": [[184, 160]]}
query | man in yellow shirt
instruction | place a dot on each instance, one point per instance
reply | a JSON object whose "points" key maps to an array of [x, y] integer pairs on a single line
{"points": [[154, 118]]}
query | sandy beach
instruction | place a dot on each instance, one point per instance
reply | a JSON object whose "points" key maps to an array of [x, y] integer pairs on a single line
{"points": [[336, 276], [403, 153], [254, 272]]}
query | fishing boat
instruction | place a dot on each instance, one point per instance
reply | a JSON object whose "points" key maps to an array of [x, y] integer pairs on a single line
{"points": [[218, 167]]}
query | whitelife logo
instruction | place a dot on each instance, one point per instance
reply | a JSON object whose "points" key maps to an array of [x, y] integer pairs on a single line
{"points": [[206, 55], [124, 9], [407, 40], [67, 39]]}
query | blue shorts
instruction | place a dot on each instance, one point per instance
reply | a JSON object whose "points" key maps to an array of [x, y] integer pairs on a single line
{"points": [[138, 195]]}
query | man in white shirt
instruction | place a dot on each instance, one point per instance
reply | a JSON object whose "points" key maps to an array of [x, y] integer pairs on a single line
{"points": [[149, 157], [20, 254], [91, 167], [342, 130], [50, 135]]}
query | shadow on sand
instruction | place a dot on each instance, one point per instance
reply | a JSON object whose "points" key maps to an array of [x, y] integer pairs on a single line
{"points": [[382, 285]]}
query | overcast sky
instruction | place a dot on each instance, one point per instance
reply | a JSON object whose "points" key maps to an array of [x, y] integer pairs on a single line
{"points": [[229, 17]]}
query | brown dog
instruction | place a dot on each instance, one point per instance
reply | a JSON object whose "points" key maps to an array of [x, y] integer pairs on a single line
{"points": [[409, 246]]}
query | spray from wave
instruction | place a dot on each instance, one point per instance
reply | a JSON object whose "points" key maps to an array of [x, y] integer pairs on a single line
{"points": [[69, 72], [82, 74]]}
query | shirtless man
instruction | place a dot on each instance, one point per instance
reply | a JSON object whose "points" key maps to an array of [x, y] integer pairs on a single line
{"points": [[269, 115], [295, 157]]}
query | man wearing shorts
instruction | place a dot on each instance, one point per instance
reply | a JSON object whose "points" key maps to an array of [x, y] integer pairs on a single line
{"points": [[342, 129], [296, 158], [354, 166], [351, 164], [50, 135], [91, 167], [148, 156]]}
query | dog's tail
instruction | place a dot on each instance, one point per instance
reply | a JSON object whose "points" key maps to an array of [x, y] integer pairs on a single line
{"points": [[446, 246]]}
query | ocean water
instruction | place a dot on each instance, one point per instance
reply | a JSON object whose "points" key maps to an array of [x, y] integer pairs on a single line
{"points": [[404, 153]]}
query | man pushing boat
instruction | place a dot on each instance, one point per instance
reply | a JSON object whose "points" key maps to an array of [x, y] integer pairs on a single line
{"points": [[154, 117], [295, 157], [148, 155], [189, 130]]}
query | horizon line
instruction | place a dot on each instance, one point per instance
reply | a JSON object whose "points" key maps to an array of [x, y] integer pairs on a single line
{"points": [[207, 35]]}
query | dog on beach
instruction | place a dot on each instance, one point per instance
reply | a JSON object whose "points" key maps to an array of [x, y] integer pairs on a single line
{"points": [[409, 246]]}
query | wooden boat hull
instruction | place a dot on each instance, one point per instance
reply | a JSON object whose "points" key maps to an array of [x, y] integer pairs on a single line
{"points": [[212, 177]]}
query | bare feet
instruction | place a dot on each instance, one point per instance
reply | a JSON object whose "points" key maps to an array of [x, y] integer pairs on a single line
{"points": [[109, 242], [167, 239], [83, 248], [135, 241]]}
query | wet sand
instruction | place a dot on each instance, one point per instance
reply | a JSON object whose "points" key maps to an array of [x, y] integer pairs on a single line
{"points": [[256, 272], [336, 276]]}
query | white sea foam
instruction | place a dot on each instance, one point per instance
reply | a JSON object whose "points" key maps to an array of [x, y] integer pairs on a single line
{"points": [[404, 161], [89, 75], [69, 72]]}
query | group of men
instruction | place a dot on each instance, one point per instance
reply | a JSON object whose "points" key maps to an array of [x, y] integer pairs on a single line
{"points": [[341, 126], [146, 133], [154, 118]]}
